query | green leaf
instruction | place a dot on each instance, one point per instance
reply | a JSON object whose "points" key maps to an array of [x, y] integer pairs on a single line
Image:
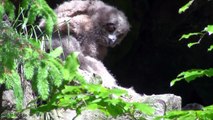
{"points": [[97, 89], [172, 115], [209, 29], [208, 72], [172, 83], [34, 41], [92, 106], [192, 74], [113, 110], [210, 48], [71, 66], [80, 78], [56, 53], [144, 108], [113, 102], [185, 7], [118, 92], [67, 100], [209, 107], [186, 36], [192, 44], [71, 89], [97, 100], [42, 109], [71, 62], [189, 116]]}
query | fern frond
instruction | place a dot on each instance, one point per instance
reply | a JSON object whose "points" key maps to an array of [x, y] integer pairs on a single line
{"points": [[25, 3], [42, 82], [58, 64], [2, 80], [1, 11], [9, 55], [8, 81], [49, 25], [56, 52], [13, 81], [33, 12], [72, 63], [28, 70], [55, 74], [18, 92], [41, 8], [10, 9], [47, 9], [71, 66]]}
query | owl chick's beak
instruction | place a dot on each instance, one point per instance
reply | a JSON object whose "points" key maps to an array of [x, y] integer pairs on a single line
{"points": [[112, 40]]}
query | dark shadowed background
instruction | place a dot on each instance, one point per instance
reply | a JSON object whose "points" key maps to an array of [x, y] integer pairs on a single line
{"points": [[151, 55]]}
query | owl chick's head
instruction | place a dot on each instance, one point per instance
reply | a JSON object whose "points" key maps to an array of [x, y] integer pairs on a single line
{"points": [[92, 21], [111, 24]]}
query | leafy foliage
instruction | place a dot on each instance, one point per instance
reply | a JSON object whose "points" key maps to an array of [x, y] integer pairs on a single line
{"points": [[15, 50], [40, 8], [209, 29], [9, 8], [205, 114], [9, 51], [186, 36], [190, 75], [91, 96], [29, 10], [19, 49]]}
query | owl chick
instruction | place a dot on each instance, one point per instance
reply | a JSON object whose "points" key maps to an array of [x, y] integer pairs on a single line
{"points": [[89, 27]]}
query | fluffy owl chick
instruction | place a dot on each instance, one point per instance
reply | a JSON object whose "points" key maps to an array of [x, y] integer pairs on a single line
{"points": [[89, 27]]}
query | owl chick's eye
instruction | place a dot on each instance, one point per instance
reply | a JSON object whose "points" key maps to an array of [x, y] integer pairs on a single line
{"points": [[110, 27]]}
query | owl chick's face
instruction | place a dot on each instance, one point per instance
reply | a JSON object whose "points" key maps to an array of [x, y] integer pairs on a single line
{"points": [[113, 26]]}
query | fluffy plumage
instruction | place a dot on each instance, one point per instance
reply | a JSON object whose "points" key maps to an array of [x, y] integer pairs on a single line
{"points": [[89, 27]]}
